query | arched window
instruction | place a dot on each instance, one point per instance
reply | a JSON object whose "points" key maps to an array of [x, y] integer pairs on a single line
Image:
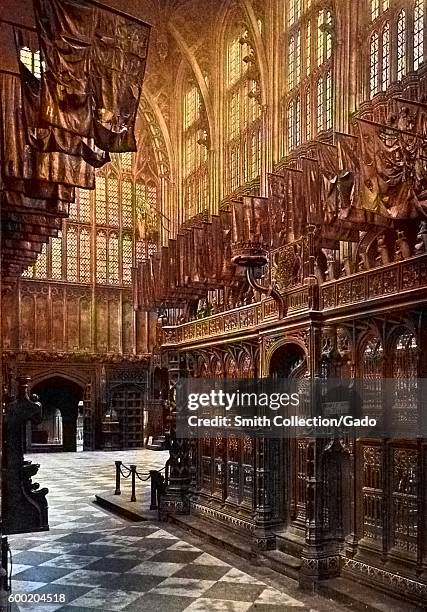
{"points": [[308, 95], [374, 55], [385, 68], [396, 41], [195, 155], [418, 33], [243, 113], [401, 45]]}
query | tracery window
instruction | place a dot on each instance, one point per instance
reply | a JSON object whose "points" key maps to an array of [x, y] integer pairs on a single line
{"points": [[84, 256], [40, 267], [127, 258], [243, 113], [101, 257], [113, 258], [97, 241], [195, 155], [396, 41], [72, 258], [308, 94], [56, 253]]}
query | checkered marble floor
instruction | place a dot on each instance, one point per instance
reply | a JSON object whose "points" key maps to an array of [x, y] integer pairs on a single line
{"points": [[101, 562]]}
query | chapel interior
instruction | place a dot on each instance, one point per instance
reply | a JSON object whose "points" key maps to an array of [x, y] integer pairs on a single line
{"points": [[221, 189]]}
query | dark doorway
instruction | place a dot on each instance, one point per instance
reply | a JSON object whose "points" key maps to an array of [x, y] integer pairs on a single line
{"points": [[63, 395]]}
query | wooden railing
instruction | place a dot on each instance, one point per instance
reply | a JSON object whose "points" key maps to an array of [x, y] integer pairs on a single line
{"points": [[381, 282]]}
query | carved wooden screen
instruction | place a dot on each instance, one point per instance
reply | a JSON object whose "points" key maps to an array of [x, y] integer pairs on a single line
{"points": [[128, 403], [372, 452], [388, 470], [239, 458], [289, 503], [404, 454], [226, 468]]}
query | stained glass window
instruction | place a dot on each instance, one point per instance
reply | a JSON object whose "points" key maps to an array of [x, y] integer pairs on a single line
{"points": [[72, 254], [101, 257], [308, 65], [194, 154], [126, 161], [113, 258], [374, 60], [396, 41], [375, 9], [308, 134], [385, 76], [74, 210], [320, 104], [101, 249], [418, 33], [113, 202], [401, 45], [127, 208], [56, 250], [243, 111], [83, 196], [84, 255], [100, 201], [127, 258], [291, 63], [328, 101], [40, 267]]}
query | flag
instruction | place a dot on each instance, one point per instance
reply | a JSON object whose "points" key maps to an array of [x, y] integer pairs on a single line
{"points": [[385, 188], [49, 139], [94, 68], [327, 155]]}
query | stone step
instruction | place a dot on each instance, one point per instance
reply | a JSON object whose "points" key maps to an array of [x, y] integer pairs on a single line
{"points": [[360, 597], [215, 533], [282, 563]]}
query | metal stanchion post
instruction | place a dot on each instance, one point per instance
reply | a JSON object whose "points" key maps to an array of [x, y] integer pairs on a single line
{"points": [[133, 474], [118, 467]]}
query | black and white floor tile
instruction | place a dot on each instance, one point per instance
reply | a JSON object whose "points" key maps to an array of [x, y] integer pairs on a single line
{"points": [[101, 562]]}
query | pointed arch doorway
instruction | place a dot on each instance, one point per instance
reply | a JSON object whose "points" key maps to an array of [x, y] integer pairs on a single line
{"points": [[60, 399]]}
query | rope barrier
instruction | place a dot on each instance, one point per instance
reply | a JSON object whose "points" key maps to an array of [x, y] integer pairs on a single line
{"points": [[158, 481]]}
